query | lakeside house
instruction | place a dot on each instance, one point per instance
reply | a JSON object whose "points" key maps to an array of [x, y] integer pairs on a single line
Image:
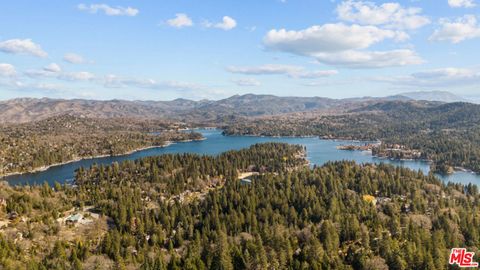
{"points": [[73, 219]]}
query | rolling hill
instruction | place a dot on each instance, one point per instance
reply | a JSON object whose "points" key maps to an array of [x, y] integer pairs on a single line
{"points": [[30, 109]]}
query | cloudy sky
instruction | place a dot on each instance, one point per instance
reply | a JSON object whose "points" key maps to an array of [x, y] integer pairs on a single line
{"points": [[162, 50]]}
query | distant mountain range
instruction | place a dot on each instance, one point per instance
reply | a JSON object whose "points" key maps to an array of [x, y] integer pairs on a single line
{"points": [[30, 109], [441, 96]]}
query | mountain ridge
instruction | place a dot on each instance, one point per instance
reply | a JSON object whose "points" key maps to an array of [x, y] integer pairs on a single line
{"points": [[249, 105], [442, 96]]}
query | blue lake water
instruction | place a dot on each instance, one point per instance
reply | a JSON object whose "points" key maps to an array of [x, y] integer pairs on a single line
{"points": [[318, 152]]}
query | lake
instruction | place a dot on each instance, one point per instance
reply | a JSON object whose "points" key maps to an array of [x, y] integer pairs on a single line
{"points": [[318, 152]]}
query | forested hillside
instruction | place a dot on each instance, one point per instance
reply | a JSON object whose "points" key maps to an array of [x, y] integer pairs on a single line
{"points": [[192, 212], [29, 146], [448, 134]]}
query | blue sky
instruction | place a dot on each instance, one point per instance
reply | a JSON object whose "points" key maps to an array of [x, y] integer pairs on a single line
{"points": [[162, 50]]}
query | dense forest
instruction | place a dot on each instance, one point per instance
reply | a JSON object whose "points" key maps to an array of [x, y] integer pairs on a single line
{"points": [[187, 211], [447, 134], [28, 146]]}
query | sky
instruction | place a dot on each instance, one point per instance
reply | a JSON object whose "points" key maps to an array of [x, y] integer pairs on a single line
{"points": [[212, 49]]}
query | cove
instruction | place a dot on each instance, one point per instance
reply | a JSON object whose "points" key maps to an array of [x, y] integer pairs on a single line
{"points": [[318, 152]]}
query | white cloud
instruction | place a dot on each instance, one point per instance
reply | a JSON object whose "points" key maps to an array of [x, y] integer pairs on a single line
{"points": [[228, 23], [436, 78], [74, 58], [34, 73], [390, 15], [327, 38], [77, 76], [114, 81], [181, 20], [461, 3], [178, 85], [22, 46], [111, 81], [55, 71], [456, 31], [54, 90], [53, 68], [7, 70], [316, 74], [36, 87], [49, 87], [370, 59], [108, 10], [274, 69], [268, 69], [246, 82], [342, 45]]}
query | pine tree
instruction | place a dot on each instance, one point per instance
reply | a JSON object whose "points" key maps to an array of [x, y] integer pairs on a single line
{"points": [[222, 259]]}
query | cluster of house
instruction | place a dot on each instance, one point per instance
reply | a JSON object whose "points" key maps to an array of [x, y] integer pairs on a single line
{"points": [[398, 151], [384, 200]]}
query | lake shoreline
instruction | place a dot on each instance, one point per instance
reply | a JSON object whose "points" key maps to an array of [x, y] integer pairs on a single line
{"points": [[217, 143], [340, 139], [44, 168]]}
